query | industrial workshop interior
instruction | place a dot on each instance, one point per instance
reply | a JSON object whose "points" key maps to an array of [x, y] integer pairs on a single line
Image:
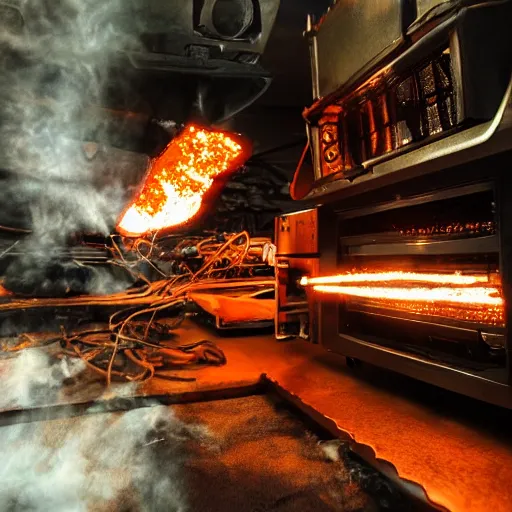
{"points": [[255, 255]]}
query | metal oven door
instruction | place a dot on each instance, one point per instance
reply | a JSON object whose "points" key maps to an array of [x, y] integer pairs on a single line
{"points": [[415, 285]]}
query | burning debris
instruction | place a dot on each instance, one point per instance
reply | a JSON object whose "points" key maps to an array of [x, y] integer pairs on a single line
{"points": [[131, 344]]}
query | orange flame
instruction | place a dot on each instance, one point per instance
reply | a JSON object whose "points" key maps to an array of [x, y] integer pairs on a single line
{"points": [[475, 298], [454, 288], [176, 181], [383, 277], [478, 295]]}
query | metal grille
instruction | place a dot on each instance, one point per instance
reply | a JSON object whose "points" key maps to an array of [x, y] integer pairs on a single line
{"points": [[388, 115]]}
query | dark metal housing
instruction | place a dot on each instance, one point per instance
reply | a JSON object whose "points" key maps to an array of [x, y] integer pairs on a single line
{"points": [[407, 137]]}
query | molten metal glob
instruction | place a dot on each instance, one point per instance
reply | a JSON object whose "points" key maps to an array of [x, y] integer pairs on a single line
{"points": [[177, 181]]}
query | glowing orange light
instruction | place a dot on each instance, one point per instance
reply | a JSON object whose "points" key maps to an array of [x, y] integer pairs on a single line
{"points": [[475, 298], [176, 182], [383, 277], [478, 295]]}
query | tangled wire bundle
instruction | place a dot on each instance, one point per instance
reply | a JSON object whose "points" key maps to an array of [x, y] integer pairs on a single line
{"points": [[132, 346], [129, 351]]}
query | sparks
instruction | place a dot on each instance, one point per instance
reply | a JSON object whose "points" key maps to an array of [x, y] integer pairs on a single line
{"points": [[176, 182]]}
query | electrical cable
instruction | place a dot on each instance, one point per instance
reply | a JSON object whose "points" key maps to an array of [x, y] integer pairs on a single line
{"points": [[130, 346]]}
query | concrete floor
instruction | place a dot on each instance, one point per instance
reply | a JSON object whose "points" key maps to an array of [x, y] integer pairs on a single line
{"points": [[453, 450], [264, 458]]}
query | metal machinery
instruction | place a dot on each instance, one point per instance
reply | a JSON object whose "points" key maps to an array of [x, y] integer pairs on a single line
{"points": [[297, 255], [411, 149], [127, 73], [209, 48]]}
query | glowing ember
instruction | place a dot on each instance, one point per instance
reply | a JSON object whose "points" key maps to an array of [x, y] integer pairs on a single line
{"points": [[176, 182], [478, 295]]}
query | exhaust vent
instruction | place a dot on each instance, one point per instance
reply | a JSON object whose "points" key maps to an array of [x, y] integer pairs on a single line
{"points": [[228, 19]]}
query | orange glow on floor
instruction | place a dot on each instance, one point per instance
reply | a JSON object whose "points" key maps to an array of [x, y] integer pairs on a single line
{"points": [[176, 182]]}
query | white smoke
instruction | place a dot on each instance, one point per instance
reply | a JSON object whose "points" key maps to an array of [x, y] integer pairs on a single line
{"points": [[331, 449], [104, 282], [99, 461], [51, 74], [32, 378], [125, 461]]}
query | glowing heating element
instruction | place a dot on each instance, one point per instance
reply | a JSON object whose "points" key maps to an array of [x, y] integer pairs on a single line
{"points": [[177, 181], [474, 296], [454, 288], [384, 277]]}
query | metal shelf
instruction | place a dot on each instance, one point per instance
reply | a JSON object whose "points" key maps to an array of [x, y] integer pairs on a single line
{"points": [[479, 245]]}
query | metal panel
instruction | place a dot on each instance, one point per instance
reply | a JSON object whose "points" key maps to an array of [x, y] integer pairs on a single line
{"points": [[296, 233], [295, 315], [493, 336], [424, 6], [485, 244], [400, 202], [352, 35]]}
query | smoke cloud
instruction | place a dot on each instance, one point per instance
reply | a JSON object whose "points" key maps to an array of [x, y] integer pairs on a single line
{"points": [[105, 282], [54, 67], [131, 460], [116, 461], [55, 71], [31, 378]]}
